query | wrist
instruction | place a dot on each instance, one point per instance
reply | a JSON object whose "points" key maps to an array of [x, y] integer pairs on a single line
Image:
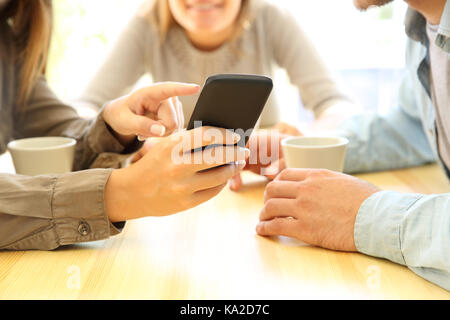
{"points": [[124, 139], [116, 196]]}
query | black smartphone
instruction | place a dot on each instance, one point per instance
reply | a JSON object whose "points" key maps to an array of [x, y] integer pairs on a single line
{"points": [[232, 101]]}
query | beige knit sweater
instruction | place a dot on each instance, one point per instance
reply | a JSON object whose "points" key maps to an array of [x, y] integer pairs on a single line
{"points": [[273, 38]]}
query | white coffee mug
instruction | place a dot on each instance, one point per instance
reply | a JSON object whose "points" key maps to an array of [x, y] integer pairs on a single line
{"points": [[315, 152], [42, 155]]}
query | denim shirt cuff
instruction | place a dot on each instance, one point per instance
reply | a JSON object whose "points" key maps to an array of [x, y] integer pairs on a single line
{"points": [[378, 223]]}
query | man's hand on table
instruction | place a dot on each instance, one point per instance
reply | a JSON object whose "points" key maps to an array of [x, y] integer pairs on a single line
{"points": [[316, 206]]}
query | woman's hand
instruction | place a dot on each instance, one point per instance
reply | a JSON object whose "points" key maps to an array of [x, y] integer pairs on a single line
{"points": [[267, 156], [171, 178], [154, 111]]}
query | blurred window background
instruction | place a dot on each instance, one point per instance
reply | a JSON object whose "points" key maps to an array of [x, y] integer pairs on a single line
{"points": [[365, 50]]}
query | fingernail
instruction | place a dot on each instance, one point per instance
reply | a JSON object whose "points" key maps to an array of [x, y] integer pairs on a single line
{"points": [[194, 85], [141, 138], [158, 130]]}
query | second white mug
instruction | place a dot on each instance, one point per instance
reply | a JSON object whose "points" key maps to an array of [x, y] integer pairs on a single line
{"points": [[315, 152]]}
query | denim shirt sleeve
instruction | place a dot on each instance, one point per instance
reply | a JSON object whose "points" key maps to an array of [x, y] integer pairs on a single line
{"points": [[385, 142], [443, 38], [409, 229], [403, 137]]}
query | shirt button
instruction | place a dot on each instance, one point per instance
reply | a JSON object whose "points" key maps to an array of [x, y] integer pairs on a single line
{"points": [[83, 228]]}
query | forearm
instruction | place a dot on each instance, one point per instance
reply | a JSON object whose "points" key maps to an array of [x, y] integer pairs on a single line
{"points": [[46, 212], [409, 229], [333, 115], [387, 142]]}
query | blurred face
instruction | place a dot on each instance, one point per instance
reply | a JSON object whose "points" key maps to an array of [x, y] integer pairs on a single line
{"points": [[365, 4], [3, 3], [205, 15]]}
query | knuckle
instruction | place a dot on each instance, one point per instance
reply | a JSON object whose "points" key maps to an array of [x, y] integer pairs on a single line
{"points": [[270, 205], [143, 125], [173, 171], [304, 204], [304, 190], [301, 188], [266, 195], [262, 213], [264, 228], [274, 226], [316, 173], [284, 173], [270, 189], [179, 189], [165, 91]]}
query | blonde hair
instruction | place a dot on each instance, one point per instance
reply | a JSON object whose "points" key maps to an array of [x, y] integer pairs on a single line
{"points": [[159, 12], [31, 24]]}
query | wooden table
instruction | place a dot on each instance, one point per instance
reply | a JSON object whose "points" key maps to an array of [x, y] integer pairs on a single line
{"points": [[213, 252]]}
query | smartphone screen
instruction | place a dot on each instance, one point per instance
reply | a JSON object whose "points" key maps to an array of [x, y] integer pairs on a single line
{"points": [[232, 101]]}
